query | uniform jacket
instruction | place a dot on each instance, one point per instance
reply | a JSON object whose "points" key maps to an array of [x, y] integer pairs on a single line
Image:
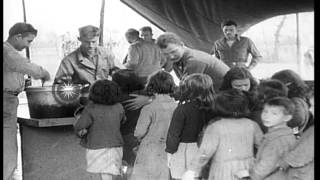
{"points": [[84, 71], [195, 61]]}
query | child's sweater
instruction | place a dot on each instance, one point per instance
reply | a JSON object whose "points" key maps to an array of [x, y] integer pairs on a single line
{"points": [[103, 125], [275, 143]]}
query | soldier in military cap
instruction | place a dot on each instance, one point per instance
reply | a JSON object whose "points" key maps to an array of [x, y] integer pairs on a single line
{"points": [[87, 63]]}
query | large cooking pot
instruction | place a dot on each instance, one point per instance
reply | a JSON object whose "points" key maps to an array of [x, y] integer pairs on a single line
{"points": [[56, 101]]}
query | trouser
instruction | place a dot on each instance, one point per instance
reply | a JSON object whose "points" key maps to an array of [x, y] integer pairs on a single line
{"points": [[10, 147]]}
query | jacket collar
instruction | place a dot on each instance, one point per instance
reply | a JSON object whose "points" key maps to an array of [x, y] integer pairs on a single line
{"points": [[85, 61], [277, 132], [237, 38]]}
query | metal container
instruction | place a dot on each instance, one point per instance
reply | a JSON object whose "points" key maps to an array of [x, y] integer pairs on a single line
{"points": [[56, 101]]}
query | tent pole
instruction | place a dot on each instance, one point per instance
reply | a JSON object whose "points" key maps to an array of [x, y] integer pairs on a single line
{"points": [[28, 80], [101, 23], [298, 44]]}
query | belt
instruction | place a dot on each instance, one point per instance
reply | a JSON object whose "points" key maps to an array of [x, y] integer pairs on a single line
{"points": [[15, 93]]}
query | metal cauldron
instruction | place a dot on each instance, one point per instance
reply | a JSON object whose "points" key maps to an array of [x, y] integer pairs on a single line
{"points": [[56, 101]]}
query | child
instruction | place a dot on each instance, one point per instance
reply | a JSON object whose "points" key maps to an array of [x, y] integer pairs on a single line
{"points": [[195, 97], [128, 82], [277, 141], [267, 89], [152, 128], [228, 141], [298, 94], [239, 78], [299, 162], [99, 127]]}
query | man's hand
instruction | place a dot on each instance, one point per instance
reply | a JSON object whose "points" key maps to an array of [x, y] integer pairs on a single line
{"points": [[63, 79], [82, 132], [45, 76], [137, 102]]}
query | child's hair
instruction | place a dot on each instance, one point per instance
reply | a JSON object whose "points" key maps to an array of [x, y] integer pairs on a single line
{"points": [[284, 102], [270, 88], [237, 73], [127, 80], [231, 103], [105, 92], [197, 87], [297, 87], [161, 82]]}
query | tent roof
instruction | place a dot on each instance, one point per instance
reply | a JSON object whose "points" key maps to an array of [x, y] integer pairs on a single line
{"points": [[198, 21]]}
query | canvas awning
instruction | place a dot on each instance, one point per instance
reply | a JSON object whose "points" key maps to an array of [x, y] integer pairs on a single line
{"points": [[197, 22]]}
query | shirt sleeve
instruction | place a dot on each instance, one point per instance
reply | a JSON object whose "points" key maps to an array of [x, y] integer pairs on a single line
{"points": [[175, 130], [256, 56], [194, 67], [303, 153], [267, 161], [65, 69], [132, 58], [215, 51], [207, 148], [143, 123], [84, 121], [17, 63]]}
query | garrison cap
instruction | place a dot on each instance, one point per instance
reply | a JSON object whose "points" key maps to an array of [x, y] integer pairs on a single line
{"points": [[89, 32]]}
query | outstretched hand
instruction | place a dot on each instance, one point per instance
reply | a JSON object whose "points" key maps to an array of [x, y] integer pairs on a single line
{"points": [[137, 102]]}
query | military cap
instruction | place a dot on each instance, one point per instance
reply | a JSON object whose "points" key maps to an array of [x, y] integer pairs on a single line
{"points": [[89, 32]]}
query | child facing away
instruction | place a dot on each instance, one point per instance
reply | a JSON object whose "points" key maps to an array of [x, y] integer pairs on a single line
{"points": [[229, 141], [99, 127], [152, 127], [277, 141], [195, 99], [128, 82]]}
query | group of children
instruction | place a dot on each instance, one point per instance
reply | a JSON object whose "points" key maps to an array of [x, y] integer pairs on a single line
{"points": [[248, 130]]}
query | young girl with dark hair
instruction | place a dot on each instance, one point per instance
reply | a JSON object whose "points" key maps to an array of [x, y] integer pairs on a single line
{"points": [[99, 129], [228, 141], [239, 78], [195, 95], [152, 127]]}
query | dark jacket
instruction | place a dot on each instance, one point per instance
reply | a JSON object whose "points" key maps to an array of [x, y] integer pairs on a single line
{"points": [[186, 124], [103, 125]]}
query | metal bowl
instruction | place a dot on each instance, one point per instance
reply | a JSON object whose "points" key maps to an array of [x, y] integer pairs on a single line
{"points": [[56, 101]]}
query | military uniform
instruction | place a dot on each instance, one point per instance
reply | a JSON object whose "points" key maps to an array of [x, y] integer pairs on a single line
{"points": [[81, 69], [14, 68]]}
